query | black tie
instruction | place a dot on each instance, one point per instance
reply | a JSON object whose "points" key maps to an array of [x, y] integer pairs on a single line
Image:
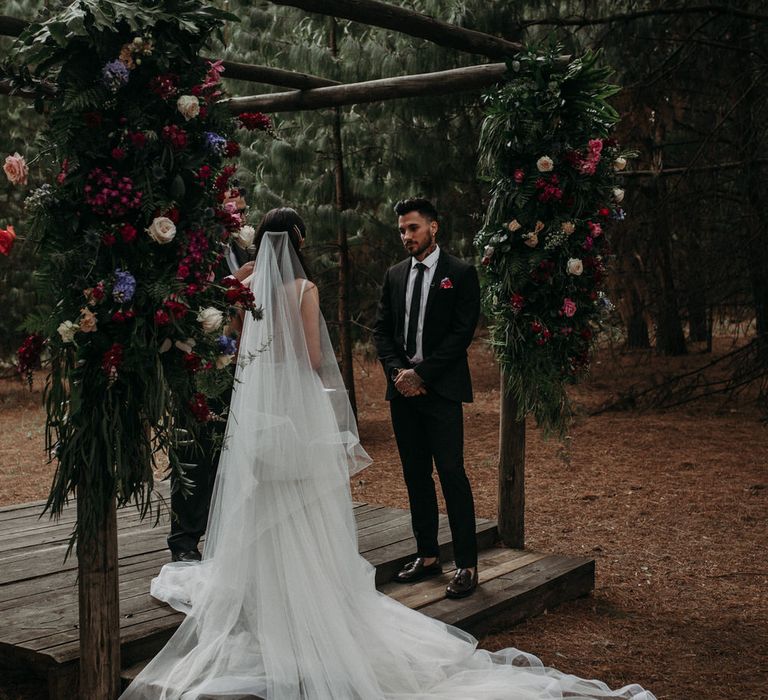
{"points": [[413, 316]]}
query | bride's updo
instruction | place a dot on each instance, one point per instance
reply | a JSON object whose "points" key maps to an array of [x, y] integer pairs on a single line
{"points": [[285, 219]]}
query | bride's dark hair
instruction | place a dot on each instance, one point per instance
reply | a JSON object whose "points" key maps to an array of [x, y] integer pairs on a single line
{"points": [[285, 219]]}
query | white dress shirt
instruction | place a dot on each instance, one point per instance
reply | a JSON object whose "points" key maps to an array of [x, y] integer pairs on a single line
{"points": [[431, 262]]}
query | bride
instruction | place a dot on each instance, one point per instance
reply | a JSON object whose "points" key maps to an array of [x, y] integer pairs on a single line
{"points": [[282, 606]]}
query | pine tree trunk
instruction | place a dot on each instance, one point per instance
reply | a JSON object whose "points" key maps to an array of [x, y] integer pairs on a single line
{"points": [[99, 604], [511, 516], [345, 325]]}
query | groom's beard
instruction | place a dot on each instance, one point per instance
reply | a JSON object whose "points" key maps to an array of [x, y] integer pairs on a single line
{"points": [[416, 250]]}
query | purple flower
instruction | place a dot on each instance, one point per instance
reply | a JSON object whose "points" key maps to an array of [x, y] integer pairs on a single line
{"points": [[114, 75], [227, 344], [215, 143], [124, 287]]}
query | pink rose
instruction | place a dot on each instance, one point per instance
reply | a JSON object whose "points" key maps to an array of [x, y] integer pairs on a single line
{"points": [[16, 169], [569, 307], [594, 229]]}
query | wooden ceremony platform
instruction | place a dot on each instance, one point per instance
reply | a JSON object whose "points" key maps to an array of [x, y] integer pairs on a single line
{"points": [[38, 591]]}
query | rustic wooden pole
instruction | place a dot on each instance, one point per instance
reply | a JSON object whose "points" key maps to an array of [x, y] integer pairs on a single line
{"points": [[511, 518], [97, 565], [342, 313], [442, 82], [399, 19]]}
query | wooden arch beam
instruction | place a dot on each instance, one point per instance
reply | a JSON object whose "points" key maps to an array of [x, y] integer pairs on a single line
{"points": [[399, 19], [438, 83]]}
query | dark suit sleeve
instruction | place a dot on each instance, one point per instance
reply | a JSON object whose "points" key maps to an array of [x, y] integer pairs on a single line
{"points": [[454, 344], [384, 331]]}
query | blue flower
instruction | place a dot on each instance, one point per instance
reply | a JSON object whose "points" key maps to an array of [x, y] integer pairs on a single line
{"points": [[227, 344], [114, 75], [215, 143], [124, 287]]}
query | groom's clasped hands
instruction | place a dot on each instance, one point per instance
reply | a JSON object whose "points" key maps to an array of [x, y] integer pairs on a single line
{"points": [[409, 383]]}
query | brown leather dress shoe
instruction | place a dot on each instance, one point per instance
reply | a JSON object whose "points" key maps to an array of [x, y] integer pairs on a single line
{"points": [[416, 571], [462, 584]]}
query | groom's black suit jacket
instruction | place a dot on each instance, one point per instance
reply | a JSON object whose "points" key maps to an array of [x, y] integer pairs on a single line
{"points": [[453, 307]]}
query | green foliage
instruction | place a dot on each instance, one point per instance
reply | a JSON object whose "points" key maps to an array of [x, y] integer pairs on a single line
{"points": [[131, 364], [546, 153]]}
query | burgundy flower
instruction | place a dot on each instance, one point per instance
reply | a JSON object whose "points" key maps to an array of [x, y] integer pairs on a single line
{"points": [[255, 121], [162, 318], [118, 153], [137, 139], [199, 407], [128, 233]]}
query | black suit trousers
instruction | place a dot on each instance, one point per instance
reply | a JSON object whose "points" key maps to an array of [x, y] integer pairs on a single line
{"points": [[431, 429], [189, 516]]}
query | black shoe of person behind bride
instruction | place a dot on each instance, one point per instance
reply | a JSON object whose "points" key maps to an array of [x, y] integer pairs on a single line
{"points": [[416, 571], [463, 583], [191, 555]]}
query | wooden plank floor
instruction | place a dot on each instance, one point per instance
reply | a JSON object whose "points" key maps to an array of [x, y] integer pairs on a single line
{"points": [[38, 594]]}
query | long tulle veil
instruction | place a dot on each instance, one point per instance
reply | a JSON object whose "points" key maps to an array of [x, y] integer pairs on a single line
{"points": [[282, 607]]}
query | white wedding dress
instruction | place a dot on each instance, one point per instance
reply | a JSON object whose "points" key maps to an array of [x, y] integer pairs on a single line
{"points": [[282, 607]]}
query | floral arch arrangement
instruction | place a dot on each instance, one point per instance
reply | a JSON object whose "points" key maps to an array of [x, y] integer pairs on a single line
{"points": [[130, 233], [553, 169]]}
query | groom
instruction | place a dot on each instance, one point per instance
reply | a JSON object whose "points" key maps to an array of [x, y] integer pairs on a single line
{"points": [[426, 318]]}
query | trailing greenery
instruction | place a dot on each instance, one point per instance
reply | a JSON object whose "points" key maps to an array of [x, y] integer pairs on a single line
{"points": [[129, 233], [546, 152]]}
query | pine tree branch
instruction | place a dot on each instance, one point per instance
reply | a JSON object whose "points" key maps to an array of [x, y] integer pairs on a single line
{"points": [[399, 19], [437, 83], [641, 14]]}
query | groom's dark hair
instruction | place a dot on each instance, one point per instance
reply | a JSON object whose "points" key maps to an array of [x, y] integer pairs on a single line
{"points": [[423, 206]]}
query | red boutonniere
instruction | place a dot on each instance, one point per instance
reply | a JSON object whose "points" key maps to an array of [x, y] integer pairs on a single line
{"points": [[446, 283]]}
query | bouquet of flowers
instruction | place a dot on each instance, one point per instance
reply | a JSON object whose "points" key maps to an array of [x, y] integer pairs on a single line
{"points": [[130, 232], [553, 168]]}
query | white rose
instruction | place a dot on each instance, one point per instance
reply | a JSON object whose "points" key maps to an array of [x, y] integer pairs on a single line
{"points": [[67, 331], [189, 106], [618, 195], [545, 164], [244, 237], [575, 266], [620, 163], [162, 230], [514, 225], [223, 360], [210, 319]]}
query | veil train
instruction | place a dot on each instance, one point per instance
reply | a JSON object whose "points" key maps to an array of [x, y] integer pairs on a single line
{"points": [[283, 607]]}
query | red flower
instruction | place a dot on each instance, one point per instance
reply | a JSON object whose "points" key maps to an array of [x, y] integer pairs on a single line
{"points": [[164, 85], [7, 237], [199, 407], [128, 233], [118, 153], [519, 175], [446, 283], [192, 289], [176, 136], [191, 362], [137, 139], [176, 308], [604, 212], [233, 149], [108, 239], [255, 121], [112, 360], [517, 301], [29, 355], [162, 318], [182, 273], [118, 317], [220, 184], [536, 326]]}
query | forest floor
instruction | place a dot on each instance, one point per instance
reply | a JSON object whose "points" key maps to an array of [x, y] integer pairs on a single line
{"points": [[672, 504]]}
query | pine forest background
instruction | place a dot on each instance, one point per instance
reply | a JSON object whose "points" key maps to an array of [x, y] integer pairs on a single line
{"points": [[689, 259]]}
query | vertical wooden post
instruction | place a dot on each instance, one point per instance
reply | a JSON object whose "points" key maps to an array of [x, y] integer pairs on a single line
{"points": [[511, 518], [345, 327], [99, 609]]}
